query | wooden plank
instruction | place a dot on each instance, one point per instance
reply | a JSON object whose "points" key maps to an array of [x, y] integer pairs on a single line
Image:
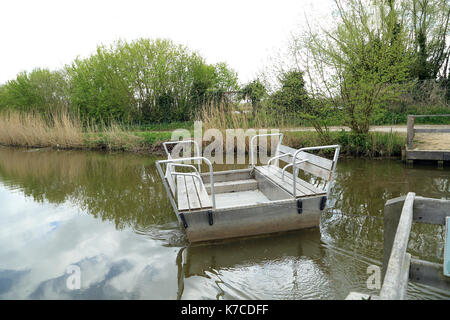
{"points": [[316, 165], [392, 212], [233, 186], [311, 168], [315, 170], [203, 196], [432, 130], [447, 248], [229, 175], [425, 154], [405, 277], [429, 115], [285, 184], [313, 159], [393, 285], [182, 198], [428, 273], [316, 160], [432, 211], [426, 210], [304, 189], [410, 131], [299, 181], [194, 202], [286, 149]]}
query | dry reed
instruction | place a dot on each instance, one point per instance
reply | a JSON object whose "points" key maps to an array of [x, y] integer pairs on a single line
{"points": [[61, 130]]}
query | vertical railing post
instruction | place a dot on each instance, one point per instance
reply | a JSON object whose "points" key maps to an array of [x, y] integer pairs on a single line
{"points": [[395, 279], [392, 212], [410, 131]]}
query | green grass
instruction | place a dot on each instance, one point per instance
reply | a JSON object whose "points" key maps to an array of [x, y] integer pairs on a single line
{"points": [[371, 145]]}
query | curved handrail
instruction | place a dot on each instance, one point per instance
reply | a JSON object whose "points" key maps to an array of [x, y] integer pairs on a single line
{"points": [[185, 166], [211, 175], [291, 164], [197, 148], [295, 169], [277, 157], [252, 158]]}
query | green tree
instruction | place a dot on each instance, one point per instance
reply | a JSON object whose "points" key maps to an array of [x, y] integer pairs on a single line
{"points": [[255, 91], [361, 64], [41, 90], [292, 96], [428, 24], [145, 81]]}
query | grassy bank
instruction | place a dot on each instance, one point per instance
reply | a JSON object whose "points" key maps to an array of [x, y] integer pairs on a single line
{"points": [[63, 131], [371, 145]]}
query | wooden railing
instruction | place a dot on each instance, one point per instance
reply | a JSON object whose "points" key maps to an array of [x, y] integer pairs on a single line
{"points": [[399, 214], [398, 266], [411, 131]]}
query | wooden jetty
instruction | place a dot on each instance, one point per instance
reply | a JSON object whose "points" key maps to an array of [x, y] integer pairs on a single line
{"points": [[399, 266], [253, 201], [439, 150]]}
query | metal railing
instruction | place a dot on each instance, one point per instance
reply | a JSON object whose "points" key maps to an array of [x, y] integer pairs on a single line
{"points": [[197, 148], [294, 164], [335, 159], [252, 157], [174, 163]]}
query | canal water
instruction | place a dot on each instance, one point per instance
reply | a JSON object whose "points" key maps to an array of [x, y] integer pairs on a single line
{"points": [[106, 218]]}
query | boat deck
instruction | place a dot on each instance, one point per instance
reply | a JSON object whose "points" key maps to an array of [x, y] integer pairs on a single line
{"points": [[247, 202], [238, 199]]}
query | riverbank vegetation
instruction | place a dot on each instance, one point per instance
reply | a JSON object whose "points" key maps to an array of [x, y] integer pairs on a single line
{"points": [[375, 64], [63, 131], [66, 131]]}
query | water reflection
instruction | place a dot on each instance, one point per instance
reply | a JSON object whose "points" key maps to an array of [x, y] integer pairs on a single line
{"points": [[115, 187], [109, 214], [361, 189]]}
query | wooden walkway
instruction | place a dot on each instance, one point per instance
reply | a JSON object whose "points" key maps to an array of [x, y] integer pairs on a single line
{"points": [[431, 142]]}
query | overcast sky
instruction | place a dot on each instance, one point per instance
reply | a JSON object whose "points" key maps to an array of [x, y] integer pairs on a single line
{"points": [[50, 34]]}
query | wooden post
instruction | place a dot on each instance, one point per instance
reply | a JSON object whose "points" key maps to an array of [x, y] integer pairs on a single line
{"points": [[398, 266], [392, 211], [395, 281], [410, 131]]}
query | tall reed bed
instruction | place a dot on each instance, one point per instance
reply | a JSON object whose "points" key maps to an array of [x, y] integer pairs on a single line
{"points": [[62, 130], [33, 130], [223, 115]]}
